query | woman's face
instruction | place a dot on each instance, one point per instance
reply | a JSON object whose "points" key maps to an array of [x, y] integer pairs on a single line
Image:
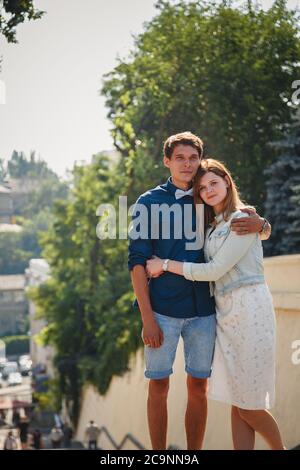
{"points": [[213, 189]]}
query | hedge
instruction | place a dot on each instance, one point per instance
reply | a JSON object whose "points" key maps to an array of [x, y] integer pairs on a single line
{"points": [[16, 345]]}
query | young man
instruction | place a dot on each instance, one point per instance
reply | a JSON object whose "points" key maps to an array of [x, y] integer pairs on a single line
{"points": [[170, 305]]}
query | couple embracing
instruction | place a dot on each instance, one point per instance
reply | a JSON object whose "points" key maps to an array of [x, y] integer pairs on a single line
{"points": [[212, 294]]}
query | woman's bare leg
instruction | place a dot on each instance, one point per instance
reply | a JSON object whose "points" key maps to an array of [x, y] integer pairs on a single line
{"points": [[243, 435], [263, 423]]}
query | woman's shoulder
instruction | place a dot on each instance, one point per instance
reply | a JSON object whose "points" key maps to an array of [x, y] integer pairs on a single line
{"points": [[238, 214]]}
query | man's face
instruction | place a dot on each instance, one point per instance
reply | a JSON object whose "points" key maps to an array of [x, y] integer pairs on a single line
{"points": [[183, 164]]}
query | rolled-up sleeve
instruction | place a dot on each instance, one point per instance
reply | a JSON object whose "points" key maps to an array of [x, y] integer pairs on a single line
{"points": [[232, 250], [187, 271], [139, 252], [140, 247]]}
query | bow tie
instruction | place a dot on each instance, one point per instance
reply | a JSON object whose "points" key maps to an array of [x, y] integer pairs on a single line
{"points": [[179, 193]]}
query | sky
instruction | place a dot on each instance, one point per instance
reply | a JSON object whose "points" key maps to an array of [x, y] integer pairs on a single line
{"points": [[52, 77]]}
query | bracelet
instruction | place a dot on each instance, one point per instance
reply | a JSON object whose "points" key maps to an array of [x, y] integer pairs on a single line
{"points": [[264, 226], [165, 265]]}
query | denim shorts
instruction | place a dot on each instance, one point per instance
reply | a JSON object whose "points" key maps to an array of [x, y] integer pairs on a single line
{"points": [[198, 334]]}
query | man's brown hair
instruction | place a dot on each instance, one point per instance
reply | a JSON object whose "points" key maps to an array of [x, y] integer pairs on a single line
{"points": [[183, 138]]}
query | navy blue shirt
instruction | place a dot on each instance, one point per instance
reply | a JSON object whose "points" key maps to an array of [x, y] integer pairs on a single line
{"points": [[170, 294]]}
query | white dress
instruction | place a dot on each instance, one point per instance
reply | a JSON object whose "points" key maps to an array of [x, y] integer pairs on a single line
{"points": [[243, 371]]}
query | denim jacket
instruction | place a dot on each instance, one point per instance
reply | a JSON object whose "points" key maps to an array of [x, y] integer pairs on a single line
{"points": [[232, 260]]}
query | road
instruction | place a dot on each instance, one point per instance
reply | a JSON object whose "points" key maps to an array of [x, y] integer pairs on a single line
{"points": [[3, 434], [21, 392]]}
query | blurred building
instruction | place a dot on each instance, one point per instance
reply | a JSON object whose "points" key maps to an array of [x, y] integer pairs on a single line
{"points": [[7, 218], [36, 274], [21, 188], [6, 204], [13, 305]]}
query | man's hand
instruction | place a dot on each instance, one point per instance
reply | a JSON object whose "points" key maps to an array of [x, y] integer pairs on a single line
{"points": [[246, 225], [152, 335], [154, 267]]}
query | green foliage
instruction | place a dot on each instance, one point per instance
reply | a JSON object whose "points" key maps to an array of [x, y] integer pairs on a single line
{"points": [[16, 345], [16, 249], [42, 199], [14, 12], [87, 302], [224, 73], [33, 210], [221, 72], [283, 197], [3, 171], [19, 166], [49, 400], [13, 259]]}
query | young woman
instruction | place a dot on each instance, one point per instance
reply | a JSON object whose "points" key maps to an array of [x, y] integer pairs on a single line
{"points": [[243, 372]]}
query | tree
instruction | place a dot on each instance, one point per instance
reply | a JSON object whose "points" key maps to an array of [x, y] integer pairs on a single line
{"points": [[224, 73], [19, 166], [13, 259], [87, 302], [221, 72], [43, 197], [3, 171], [283, 196], [14, 12], [32, 210]]}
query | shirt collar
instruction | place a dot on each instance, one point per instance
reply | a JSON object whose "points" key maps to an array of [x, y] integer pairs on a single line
{"points": [[170, 186], [219, 218]]}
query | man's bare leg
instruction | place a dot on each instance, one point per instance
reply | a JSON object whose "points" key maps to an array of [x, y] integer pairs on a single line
{"points": [[196, 412], [157, 412]]}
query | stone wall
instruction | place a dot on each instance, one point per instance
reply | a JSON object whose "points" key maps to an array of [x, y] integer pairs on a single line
{"points": [[123, 409]]}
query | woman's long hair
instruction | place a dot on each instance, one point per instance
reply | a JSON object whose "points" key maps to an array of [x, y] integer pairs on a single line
{"points": [[232, 201]]}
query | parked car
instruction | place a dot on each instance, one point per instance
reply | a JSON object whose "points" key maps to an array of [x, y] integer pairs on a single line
{"points": [[24, 359], [14, 378], [9, 368], [25, 364], [3, 362], [25, 369]]}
